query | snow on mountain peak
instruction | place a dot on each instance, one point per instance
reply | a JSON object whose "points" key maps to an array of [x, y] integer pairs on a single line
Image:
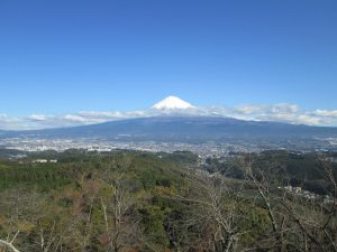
{"points": [[172, 103]]}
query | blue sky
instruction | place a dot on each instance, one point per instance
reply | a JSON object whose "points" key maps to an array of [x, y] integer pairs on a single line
{"points": [[59, 57]]}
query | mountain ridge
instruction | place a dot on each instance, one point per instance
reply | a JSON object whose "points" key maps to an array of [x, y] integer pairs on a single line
{"points": [[182, 128]]}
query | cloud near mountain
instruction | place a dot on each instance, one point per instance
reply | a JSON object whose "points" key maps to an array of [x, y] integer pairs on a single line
{"points": [[289, 113]]}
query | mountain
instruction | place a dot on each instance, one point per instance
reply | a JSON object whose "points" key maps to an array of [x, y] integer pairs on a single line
{"points": [[174, 119], [185, 128]]}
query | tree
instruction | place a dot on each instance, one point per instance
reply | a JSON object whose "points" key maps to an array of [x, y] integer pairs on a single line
{"points": [[214, 214]]}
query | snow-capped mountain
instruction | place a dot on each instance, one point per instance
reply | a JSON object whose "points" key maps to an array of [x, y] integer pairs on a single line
{"points": [[172, 103], [174, 119], [180, 128]]}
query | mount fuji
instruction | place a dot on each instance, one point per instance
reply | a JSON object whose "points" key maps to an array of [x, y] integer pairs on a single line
{"points": [[174, 119]]}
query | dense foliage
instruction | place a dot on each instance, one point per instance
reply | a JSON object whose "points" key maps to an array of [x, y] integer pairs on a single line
{"points": [[135, 201], [281, 168]]}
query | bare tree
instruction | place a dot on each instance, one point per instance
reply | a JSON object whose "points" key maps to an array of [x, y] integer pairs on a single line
{"points": [[9, 243], [214, 212], [121, 225]]}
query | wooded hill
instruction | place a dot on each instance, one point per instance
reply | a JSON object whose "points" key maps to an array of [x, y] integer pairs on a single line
{"points": [[134, 201]]}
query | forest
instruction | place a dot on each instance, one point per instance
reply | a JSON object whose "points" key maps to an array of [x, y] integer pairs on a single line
{"points": [[129, 201]]}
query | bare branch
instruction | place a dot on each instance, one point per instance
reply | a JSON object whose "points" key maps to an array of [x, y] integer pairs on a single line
{"points": [[9, 245]]}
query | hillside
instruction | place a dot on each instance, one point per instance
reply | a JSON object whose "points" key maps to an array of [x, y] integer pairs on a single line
{"points": [[135, 201]]}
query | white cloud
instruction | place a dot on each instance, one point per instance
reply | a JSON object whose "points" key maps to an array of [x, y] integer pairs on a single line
{"points": [[288, 113], [75, 118], [37, 117], [325, 113], [249, 109], [8, 122], [283, 108], [310, 120]]}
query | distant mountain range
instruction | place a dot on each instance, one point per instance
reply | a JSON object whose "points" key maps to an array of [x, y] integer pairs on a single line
{"points": [[182, 128]]}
